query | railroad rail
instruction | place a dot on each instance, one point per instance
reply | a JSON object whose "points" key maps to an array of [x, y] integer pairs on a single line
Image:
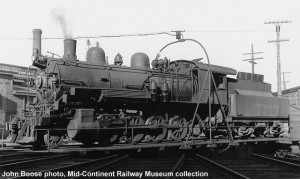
{"points": [[20, 163], [295, 160], [261, 166], [293, 166], [56, 165], [23, 158], [181, 166], [156, 164]]}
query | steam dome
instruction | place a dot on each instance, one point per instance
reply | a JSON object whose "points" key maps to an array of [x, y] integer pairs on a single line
{"points": [[140, 60], [96, 55]]}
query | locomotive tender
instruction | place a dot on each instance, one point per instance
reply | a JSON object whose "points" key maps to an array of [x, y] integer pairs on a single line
{"points": [[93, 101]]}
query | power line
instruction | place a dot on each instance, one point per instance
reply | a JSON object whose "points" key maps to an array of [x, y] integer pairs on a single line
{"points": [[227, 31], [277, 42], [96, 36], [134, 34], [252, 58]]}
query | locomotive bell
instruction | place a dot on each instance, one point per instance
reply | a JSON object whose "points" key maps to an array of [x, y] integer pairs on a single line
{"points": [[118, 59], [70, 49], [95, 55], [140, 60]]}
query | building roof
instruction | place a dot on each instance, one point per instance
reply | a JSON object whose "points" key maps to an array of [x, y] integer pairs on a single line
{"points": [[291, 90], [288, 91], [16, 69]]}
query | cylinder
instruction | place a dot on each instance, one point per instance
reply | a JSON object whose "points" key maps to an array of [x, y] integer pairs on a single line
{"points": [[70, 49], [37, 41], [83, 127]]}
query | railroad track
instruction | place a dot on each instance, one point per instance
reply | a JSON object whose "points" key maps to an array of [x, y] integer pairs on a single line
{"points": [[295, 160], [195, 165], [180, 166], [261, 166], [8, 152], [53, 166], [18, 157], [162, 165]]}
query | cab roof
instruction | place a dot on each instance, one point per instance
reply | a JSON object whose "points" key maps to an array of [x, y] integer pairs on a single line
{"points": [[213, 68]]}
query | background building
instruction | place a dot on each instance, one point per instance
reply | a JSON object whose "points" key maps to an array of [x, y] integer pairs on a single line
{"points": [[293, 94], [14, 92]]}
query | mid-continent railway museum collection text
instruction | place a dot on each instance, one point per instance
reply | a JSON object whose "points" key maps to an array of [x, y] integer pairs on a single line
{"points": [[116, 174]]}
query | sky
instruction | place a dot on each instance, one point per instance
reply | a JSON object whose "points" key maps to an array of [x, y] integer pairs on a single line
{"points": [[226, 28]]}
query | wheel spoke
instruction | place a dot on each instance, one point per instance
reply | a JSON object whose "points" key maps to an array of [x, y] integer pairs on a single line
{"points": [[137, 135], [181, 132], [157, 133], [52, 141]]}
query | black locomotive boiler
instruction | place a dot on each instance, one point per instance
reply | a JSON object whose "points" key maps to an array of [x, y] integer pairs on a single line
{"points": [[95, 102]]}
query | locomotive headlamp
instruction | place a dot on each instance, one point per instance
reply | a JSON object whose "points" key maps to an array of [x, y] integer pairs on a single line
{"points": [[38, 81]]}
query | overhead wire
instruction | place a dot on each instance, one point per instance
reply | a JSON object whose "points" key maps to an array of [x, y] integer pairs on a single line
{"points": [[228, 31], [96, 36], [135, 34]]}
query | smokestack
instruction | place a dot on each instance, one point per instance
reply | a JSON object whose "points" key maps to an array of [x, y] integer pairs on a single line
{"points": [[37, 41], [70, 49]]}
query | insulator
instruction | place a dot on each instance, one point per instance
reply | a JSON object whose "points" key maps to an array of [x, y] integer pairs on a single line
{"points": [[178, 35]]}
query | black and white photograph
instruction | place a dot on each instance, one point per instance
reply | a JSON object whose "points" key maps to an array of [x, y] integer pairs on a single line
{"points": [[149, 89]]}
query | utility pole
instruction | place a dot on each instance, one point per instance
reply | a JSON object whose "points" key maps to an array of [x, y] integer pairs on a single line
{"points": [[283, 80], [277, 42], [252, 58]]}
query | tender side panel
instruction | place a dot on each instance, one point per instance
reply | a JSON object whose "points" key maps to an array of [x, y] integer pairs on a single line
{"points": [[295, 122], [258, 106]]}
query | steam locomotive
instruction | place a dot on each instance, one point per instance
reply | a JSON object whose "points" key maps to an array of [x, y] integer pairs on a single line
{"points": [[95, 102]]}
